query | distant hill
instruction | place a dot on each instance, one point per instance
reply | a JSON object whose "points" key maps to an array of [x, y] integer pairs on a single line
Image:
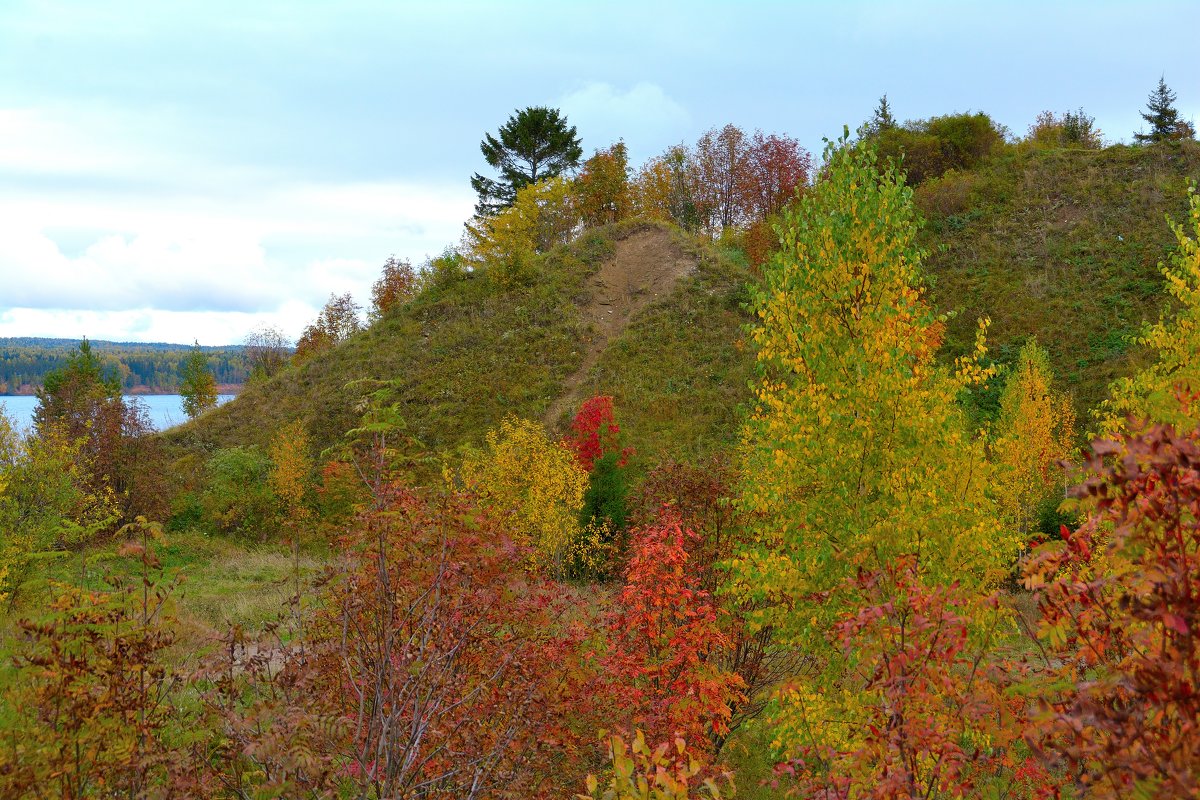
{"points": [[151, 367], [1062, 245]]}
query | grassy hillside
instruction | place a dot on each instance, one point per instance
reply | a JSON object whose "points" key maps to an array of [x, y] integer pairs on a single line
{"points": [[1058, 244], [461, 356]]}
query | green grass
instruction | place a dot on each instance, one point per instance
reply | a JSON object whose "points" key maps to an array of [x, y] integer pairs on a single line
{"points": [[463, 356], [1062, 245], [680, 373], [223, 582]]}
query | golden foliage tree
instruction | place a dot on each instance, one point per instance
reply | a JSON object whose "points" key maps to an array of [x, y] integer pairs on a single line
{"points": [[856, 453], [521, 470], [1033, 435], [602, 193], [542, 215], [290, 478], [665, 189]]}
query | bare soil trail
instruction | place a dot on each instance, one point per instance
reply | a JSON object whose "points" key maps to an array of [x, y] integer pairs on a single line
{"points": [[645, 268]]}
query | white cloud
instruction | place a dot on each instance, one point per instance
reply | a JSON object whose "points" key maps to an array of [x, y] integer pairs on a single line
{"points": [[152, 325], [206, 251], [643, 114]]}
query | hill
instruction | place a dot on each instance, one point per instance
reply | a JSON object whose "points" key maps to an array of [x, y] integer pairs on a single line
{"points": [[636, 310], [1058, 244]]}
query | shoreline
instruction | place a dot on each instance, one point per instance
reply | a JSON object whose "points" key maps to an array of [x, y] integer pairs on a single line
{"points": [[231, 389]]}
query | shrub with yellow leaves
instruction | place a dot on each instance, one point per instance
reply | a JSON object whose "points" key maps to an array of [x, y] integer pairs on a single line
{"points": [[522, 471], [541, 216], [642, 773]]}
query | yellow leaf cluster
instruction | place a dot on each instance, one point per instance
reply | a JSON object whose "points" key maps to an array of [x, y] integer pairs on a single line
{"points": [[1033, 435], [542, 215], [538, 480], [290, 477], [642, 772]]}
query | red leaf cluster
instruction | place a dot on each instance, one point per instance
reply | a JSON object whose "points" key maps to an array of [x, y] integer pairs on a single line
{"points": [[594, 433], [663, 671], [1121, 609]]}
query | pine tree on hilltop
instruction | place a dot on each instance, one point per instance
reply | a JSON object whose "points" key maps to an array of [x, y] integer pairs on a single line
{"points": [[535, 144], [1163, 117], [880, 121], [883, 115]]}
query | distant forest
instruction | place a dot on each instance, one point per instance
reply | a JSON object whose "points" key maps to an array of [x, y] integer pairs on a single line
{"points": [[150, 367]]}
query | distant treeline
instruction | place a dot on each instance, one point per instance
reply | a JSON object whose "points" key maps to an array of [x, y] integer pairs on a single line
{"points": [[140, 366]]}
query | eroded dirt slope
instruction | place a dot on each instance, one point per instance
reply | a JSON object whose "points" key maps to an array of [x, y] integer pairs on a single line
{"points": [[645, 268]]}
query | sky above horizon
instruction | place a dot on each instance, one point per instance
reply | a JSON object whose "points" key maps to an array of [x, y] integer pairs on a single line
{"points": [[192, 170]]}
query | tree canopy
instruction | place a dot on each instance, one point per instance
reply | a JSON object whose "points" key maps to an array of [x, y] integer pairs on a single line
{"points": [[1163, 117], [535, 143], [198, 387]]}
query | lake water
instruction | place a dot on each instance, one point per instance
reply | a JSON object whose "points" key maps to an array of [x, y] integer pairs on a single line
{"points": [[165, 410]]}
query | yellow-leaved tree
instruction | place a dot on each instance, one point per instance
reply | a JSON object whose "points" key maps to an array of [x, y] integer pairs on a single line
{"points": [[542, 215], [1155, 393], [522, 471], [856, 455], [291, 475], [1034, 433]]}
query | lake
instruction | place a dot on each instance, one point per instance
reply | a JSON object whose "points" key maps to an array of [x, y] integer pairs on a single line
{"points": [[165, 410]]}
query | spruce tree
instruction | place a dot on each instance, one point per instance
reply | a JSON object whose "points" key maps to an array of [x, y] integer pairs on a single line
{"points": [[883, 119], [1162, 116], [535, 144]]}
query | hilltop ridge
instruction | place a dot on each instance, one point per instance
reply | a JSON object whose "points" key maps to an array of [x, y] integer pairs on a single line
{"points": [[1058, 244]]}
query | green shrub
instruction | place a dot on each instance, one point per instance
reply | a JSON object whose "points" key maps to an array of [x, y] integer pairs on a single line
{"points": [[238, 498], [927, 149]]}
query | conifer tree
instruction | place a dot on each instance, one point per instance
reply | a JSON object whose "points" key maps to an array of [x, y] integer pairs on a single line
{"points": [[535, 144], [1163, 117], [883, 119]]}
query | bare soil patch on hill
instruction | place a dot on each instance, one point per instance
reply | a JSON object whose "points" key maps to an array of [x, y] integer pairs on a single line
{"points": [[645, 268]]}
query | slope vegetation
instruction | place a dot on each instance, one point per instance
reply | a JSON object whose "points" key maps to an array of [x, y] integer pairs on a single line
{"points": [[636, 300], [1061, 245]]}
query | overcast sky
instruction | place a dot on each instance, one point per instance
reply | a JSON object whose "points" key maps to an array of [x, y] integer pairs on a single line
{"points": [[176, 170]]}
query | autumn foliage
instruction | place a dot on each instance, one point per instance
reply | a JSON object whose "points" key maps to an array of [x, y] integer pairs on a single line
{"points": [[594, 432], [928, 717], [831, 596], [664, 666], [397, 283], [453, 662], [1120, 608]]}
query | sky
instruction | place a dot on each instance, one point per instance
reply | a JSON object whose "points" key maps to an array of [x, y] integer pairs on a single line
{"points": [[179, 171]]}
